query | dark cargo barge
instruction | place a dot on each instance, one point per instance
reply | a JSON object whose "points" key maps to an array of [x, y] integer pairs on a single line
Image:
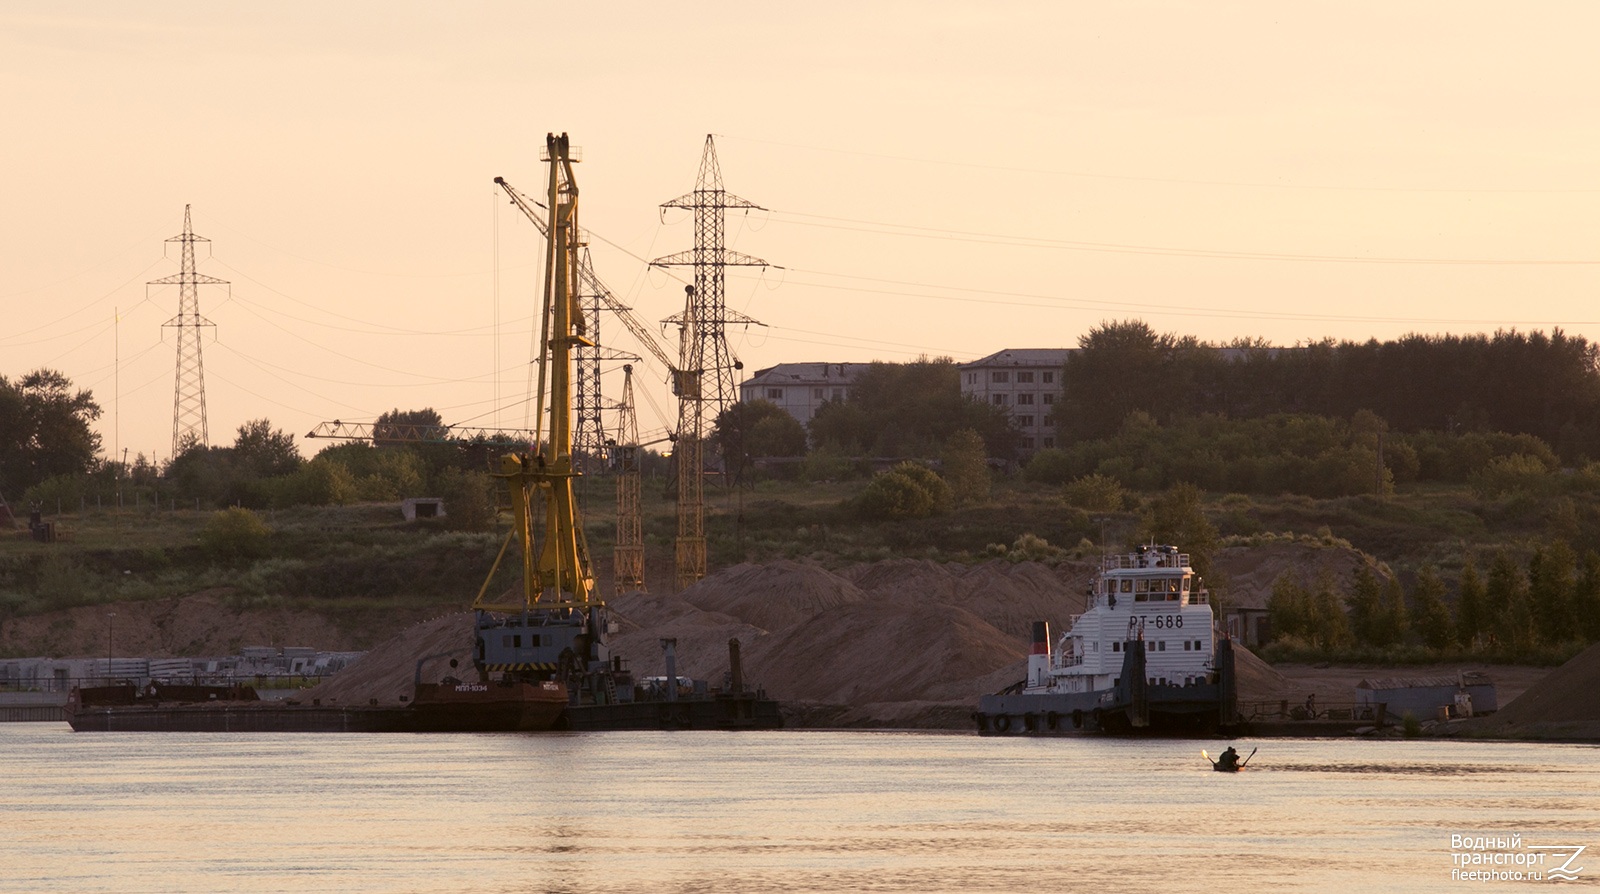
{"points": [[236, 709]]}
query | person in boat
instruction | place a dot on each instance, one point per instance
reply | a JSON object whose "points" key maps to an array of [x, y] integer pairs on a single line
{"points": [[1228, 760]]}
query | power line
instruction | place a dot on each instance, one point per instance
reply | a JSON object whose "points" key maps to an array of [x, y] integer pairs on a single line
{"points": [[1093, 175], [920, 232]]}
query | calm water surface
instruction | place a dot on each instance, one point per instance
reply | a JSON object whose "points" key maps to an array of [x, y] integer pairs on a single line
{"points": [[767, 811]]}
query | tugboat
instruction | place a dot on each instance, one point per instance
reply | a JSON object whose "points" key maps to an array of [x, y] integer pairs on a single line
{"points": [[1142, 660]]}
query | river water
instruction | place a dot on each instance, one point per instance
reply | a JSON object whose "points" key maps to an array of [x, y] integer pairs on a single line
{"points": [[777, 811]]}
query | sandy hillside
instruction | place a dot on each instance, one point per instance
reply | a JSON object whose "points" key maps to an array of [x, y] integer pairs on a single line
{"points": [[902, 643], [1565, 704], [1251, 571]]}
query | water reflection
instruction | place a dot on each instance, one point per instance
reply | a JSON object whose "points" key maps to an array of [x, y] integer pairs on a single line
{"points": [[784, 811]]}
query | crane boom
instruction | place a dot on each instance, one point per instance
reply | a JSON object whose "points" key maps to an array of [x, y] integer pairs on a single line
{"points": [[681, 379], [396, 432]]}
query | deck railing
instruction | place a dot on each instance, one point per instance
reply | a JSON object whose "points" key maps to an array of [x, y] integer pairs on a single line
{"points": [[1286, 710]]}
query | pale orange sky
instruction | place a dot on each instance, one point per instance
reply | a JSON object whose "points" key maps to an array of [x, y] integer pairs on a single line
{"points": [[942, 178]]}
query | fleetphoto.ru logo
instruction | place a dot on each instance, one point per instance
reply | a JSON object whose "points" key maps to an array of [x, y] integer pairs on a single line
{"points": [[1507, 858]]}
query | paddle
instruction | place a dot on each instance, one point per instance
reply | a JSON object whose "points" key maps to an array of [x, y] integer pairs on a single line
{"points": [[1247, 760]]}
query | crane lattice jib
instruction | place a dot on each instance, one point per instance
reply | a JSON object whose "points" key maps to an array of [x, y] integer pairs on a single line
{"points": [[559, 576], [591, 281]]}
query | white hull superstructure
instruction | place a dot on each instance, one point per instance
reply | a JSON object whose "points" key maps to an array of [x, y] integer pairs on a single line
{"points": [[1142, 655]]}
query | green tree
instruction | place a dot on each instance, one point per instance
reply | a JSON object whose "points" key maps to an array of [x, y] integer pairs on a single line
{"points": [[1175, 517], [1329, 625], [753, 428], [408, 425], [1510, 613], [1119, 367], [909, 490], [1430, 617], [44, 430], [1394, 620], [1289, 609], [909, 409], [1366, 596], [469, 499], [966, 467], [263, 451], [1552, 586]]}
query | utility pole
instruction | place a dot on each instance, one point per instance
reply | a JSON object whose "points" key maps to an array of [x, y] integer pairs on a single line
{"points": [[189, 387], [703, 350]]}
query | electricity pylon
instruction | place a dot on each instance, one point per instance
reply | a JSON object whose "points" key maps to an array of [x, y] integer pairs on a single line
{"points": [[189, 387], [703, 350]]}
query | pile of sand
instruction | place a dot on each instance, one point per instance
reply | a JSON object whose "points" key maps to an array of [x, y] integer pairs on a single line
{"points": [[1257, 680], [903, 642], [773, 596], [388, 672], [1563, 705]]}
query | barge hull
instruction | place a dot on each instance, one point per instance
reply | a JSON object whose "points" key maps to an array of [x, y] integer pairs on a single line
{"points": [[248, 717], [726, 712]]}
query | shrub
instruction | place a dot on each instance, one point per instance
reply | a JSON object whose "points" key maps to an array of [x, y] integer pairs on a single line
{"points": [[1518, 473], [1049, 466], [908, 490], [469, 498], [1095, 493], [235, 534]]}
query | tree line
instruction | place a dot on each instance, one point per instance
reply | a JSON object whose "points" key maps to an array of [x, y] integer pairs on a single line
{"points": [[1515, 610], [1545, 386]]}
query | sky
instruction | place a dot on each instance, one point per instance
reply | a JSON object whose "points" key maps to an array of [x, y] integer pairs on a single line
{"points": [[940, 179]]}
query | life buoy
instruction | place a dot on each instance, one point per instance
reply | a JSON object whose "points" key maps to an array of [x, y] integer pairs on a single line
{"points": [[1030, 722], [1002, 723], [1052, 720], [1100, 718], [1077, 718], [982, 720]]}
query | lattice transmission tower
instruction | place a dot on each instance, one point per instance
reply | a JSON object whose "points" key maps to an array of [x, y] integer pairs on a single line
{"points": [[588, 431], [189, 387], [704, 352], [628, 556]]}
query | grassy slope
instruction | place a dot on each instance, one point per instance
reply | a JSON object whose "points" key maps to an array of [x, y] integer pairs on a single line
{"points": [[357, 564]]}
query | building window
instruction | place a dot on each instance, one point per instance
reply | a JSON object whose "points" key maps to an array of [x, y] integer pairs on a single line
{"points": [[998, 376], [816, 393], [1024, 399], [1048, 377], [972, 378], [1024, 376], [838, 394], [777, 393], [1025, 422], [1049, 443], [1049, 398], [1027, 443]]}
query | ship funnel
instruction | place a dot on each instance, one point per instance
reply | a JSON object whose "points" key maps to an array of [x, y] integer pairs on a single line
{"points": [[1039, 655]]}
